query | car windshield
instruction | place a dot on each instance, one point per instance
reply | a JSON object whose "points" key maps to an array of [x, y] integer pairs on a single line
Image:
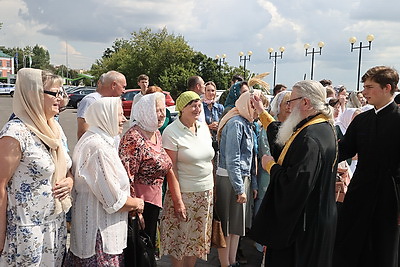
{"points": [[128, 96]]}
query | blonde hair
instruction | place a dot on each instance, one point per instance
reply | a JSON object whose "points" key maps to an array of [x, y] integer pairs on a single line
{"points": [[49, 79]]}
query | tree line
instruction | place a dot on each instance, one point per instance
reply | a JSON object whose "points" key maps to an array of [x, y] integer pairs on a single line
{"points": [[166, 58]]}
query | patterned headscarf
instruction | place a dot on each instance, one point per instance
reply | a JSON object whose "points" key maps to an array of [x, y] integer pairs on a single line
{"points": [[103, 114], [144, 112], [234, 94], [28, 106]]}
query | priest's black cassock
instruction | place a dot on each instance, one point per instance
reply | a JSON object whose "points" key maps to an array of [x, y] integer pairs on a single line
{"points": [[367, 233], [297, 218]]}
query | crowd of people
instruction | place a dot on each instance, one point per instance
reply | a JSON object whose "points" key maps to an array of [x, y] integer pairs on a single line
{"points": [[313, 177]]}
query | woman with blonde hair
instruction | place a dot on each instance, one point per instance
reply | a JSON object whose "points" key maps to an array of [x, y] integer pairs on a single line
{"points": [[35, 180]]}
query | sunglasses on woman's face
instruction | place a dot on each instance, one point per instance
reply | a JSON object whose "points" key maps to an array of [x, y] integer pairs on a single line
{"points": [[55, 94]]}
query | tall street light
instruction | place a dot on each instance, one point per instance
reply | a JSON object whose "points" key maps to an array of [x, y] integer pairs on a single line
{"points": [[244, 58], [220, 59], [352, 41], [313, 52], [275, 56]]}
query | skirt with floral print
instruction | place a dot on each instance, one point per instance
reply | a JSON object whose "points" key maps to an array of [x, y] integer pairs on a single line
{"points": [[192, 237], [34, 245], [99, 259]]}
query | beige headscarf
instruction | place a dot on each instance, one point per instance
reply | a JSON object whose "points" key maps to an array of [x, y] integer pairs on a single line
{"points": [[28, 106], [242, 107]]}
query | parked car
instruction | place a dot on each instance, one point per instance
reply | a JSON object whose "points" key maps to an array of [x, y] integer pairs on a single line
{"points": [[129, 94], [7, 89], [78, 94], [69, 88]]}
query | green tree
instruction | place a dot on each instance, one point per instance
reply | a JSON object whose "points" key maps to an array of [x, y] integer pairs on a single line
{"points": [[166, 58], [40, 58], [152, 53]]}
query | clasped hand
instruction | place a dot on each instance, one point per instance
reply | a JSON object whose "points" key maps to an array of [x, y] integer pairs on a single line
{"points": [[63, 188]]}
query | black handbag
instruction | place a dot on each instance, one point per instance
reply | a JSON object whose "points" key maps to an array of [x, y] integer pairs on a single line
{"points": [[140, 250]]}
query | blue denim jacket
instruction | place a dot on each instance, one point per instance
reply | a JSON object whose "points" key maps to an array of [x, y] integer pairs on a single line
{"points": [[236, 151], [214, 114]]}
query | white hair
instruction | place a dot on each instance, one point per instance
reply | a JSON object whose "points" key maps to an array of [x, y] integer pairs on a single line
{"points": [[316, 93]]}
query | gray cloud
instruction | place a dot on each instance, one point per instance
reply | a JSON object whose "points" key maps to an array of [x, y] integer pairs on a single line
{"points": [[216, 27]]}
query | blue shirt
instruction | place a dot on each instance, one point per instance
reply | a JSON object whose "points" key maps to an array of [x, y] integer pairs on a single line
{"points": [[214, 114], [236, 151]]}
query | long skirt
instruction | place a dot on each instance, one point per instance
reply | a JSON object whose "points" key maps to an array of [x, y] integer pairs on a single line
{"points": [[192, 237], [99, 259], [232, 214]]}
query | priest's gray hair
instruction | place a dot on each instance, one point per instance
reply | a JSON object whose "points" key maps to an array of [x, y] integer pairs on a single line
{"points": [[316, 93]]}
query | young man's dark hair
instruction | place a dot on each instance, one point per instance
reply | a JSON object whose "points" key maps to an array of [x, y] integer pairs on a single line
{"points": [[192, 81], [325, 82], [237, 78], [142, 77], [279, 88], [383, 75]]}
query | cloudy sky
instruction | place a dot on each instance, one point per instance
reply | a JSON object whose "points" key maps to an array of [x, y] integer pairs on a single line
{"points": [[77, 32]]}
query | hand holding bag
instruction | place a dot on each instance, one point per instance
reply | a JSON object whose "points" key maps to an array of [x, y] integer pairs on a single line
{"points": [[140, 251]]}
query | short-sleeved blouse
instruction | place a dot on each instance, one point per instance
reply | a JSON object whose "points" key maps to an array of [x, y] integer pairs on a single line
{"points": [[146, 164], [194, 155]]}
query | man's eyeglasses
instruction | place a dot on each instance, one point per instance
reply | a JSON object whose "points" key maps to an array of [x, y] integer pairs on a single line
{"points": [[288, 102], [55, 94]]}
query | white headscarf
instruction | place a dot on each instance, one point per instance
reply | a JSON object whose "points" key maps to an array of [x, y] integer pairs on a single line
{"points": [[276, 102], [28, 106], [345, 119], [144, 112], [103, 115]]}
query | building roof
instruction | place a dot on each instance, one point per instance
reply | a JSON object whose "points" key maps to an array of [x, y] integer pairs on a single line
{"points": [[4, 54]]}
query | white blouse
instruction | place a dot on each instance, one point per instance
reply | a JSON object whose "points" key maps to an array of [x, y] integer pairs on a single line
{"points": [[101, 188]]}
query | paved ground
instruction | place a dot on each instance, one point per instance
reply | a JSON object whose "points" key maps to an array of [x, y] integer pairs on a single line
{"points": [[68, 122], [253, 257]]}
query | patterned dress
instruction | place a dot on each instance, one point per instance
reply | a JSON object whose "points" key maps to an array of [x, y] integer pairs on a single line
{"points": [[35, 236]]}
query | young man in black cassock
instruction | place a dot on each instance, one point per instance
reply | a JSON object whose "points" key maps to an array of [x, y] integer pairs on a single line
{"points": [[368, 226], [297, 218]]}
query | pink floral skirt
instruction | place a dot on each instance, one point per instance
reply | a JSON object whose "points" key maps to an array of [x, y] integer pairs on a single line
{"points": [[190, 238]]}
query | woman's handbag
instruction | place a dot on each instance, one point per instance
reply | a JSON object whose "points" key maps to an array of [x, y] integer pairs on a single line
{"points": [[140, 251], [217, 235]]}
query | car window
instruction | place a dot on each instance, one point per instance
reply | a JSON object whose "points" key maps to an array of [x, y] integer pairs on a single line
{"points": [[129, 95]]}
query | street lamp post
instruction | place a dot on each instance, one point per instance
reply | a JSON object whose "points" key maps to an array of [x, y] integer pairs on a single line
{"points": [[352, 41], [275, 56], [313, 52], [244, 58], [220, 59]]}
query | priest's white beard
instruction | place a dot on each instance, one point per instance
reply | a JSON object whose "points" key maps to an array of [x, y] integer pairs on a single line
{"points": [[287, 127]]}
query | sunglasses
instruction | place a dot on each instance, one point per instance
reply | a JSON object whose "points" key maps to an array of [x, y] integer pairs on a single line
{"points": [[55, 94]]}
